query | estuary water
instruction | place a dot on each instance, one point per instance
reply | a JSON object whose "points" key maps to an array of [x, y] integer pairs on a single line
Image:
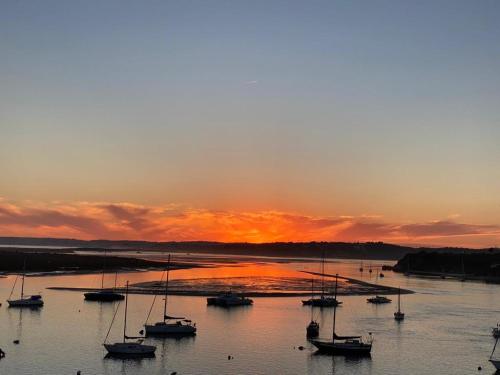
{"points": [[447, 329]]}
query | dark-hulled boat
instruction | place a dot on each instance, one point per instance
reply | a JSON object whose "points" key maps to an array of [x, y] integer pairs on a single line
{"points": [[104, 295], [344, 345]]}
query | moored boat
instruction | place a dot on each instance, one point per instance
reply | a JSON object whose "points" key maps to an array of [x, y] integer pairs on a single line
{"points": [[171, 325], [33, 301], [229, 299], [27, 301], [399, 315], [323, 300], [127, 348], [344, 345], [379, 300], [104, 295]]}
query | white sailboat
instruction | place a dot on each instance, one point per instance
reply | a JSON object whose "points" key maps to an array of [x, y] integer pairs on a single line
{"points": [[344, 345], [32, 301], [170, 325], [127, 348]]}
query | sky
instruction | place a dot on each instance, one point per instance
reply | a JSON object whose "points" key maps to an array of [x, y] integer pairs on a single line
{"points": [[251, 120]]}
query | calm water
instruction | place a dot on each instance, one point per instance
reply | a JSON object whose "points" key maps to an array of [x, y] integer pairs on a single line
{"points": [[446, 330]]}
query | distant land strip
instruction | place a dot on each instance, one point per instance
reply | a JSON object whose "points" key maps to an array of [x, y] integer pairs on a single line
{"points": [[342, 250], [14, 261]]}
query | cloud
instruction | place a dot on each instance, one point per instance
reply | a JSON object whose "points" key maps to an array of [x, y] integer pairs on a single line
{"points": [[93, 220], [446, 228]]}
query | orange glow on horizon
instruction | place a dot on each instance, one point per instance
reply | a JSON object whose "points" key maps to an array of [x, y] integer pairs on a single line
{"points": [[127, 221]]}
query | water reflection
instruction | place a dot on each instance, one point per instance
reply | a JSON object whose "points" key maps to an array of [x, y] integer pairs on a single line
{"points": [[445, 317]]}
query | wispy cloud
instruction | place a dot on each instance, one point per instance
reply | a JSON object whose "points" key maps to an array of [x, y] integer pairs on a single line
{"points": [[91, 220]]}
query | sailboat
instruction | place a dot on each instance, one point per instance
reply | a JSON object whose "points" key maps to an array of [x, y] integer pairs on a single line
{"points": [[494, 360], [129, 349], [104, 295], [377, 300], [229, 299], [32, 301], [323, 301], [399, 315], [170, 325], [312, 329], [345, 345]]}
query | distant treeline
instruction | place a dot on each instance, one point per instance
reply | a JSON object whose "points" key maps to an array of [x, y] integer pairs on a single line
{"points": [[368, 250], [482, 263], [14, 261]]}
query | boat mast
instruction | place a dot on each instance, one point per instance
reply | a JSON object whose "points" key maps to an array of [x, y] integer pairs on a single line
{"points": [[116, 277], [125, 319], [103, 268], [22, 284], [399, 300], [312, 297], [494, 347], [166, 290], [323, 274], [335, 308]]}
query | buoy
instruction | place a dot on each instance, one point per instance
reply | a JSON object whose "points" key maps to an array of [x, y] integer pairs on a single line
{"points": [[173, 373], [16, 341], [78, 372], [301, 347], [479, 368]]}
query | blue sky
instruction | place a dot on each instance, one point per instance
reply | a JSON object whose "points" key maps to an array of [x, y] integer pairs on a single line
{"points": [[386, 108]]}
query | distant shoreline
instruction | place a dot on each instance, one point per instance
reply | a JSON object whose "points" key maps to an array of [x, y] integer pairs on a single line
{"points": [[67, 263], [338, 250], [480, 266]]}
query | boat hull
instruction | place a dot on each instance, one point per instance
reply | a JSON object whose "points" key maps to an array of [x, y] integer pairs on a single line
{"points": [[378, 300], [322, 302], [170, 329], [216, 301], [496, 363], [103, 296], [335, 348], [399, 316], [130, 349], [25, 302]]}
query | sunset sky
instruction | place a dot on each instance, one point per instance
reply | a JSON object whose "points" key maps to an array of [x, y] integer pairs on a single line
{"points": [[251, 120]]}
